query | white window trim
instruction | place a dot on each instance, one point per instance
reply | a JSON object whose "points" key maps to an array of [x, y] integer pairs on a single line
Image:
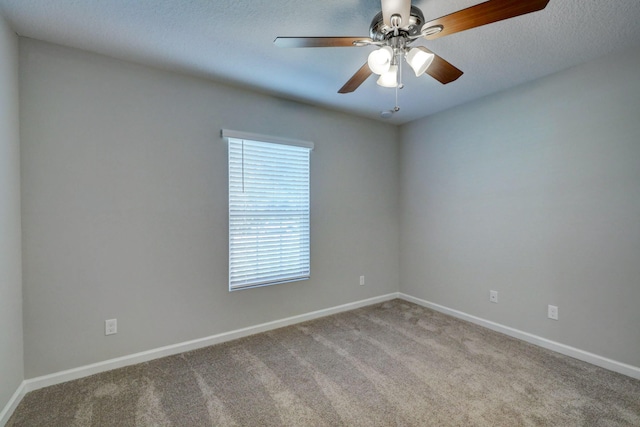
{"points": [[227, 133], [246, 136]]}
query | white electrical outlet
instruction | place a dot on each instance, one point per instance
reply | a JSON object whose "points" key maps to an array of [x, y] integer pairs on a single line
{"points": [[552, 312], [361, 280], [111, 326], [493, 296]]}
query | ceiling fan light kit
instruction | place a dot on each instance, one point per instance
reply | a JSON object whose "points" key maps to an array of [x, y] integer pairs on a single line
{"points": [[380, 60], [419, 60], [400, 24], [389, 78]]}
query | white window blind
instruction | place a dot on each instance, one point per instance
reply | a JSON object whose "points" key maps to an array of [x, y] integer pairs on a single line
{"points": [[268, 212]]}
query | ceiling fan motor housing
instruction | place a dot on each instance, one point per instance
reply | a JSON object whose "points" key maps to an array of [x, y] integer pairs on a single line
{"points": [[379, 31]]}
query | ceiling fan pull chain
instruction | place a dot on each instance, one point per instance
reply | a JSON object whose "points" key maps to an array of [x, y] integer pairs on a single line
{"points": [[396, 108], [400, 84]]}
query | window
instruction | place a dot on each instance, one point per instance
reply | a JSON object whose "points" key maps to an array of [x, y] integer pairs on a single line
{"points": [[268, 210]]}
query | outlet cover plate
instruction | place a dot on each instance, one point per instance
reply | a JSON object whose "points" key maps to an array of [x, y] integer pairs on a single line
{"points": [[493, 296], [110, 326], [552, 312]]}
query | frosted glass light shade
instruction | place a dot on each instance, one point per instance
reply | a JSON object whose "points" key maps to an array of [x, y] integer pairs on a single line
{"points": [[419, 60], [390, 78], [380, 60]]}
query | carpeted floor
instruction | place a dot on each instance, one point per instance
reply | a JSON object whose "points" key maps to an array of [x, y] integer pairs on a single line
{"points": [[392, 364]]}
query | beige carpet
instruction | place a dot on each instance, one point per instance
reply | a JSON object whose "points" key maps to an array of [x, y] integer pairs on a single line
{"points": [[392, 364]]}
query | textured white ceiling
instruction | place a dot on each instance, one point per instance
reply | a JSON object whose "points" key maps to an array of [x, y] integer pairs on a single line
{"points": [[232, 41]]}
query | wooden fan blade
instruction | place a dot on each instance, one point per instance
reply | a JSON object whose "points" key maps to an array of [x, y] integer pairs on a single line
{"points": [[318, 41], [440, 69], [357, 79], [482, 14]]}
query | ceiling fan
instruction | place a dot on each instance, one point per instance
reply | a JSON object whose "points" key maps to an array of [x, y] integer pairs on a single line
{"points": [[400, 24]]}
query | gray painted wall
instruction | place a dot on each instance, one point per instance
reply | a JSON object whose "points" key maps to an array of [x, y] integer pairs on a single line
{"points": [[535, 193], [125, 207], [11, 357]]}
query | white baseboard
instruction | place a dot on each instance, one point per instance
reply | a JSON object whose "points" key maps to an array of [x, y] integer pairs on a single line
{"points": [[576, 353], [145, 356], [12, 404]]}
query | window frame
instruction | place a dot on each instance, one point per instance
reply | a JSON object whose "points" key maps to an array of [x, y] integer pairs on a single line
{"points": [[256, 140]]}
